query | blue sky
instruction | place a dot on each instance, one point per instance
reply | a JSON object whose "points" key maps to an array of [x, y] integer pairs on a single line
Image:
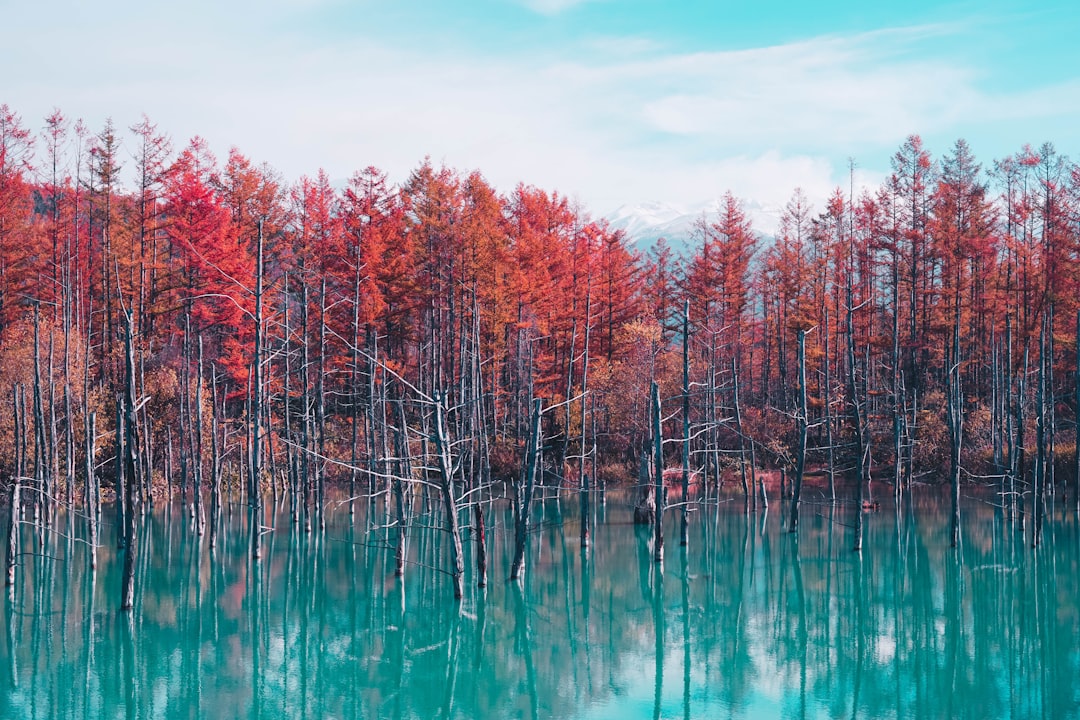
{"points": [[608, 101]]}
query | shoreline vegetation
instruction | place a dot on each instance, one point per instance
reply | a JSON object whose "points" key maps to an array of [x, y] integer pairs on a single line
{"points": [[176, 326]]}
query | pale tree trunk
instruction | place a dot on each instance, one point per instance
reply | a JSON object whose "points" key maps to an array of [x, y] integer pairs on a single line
{"points": [[1039, 498], [955, 419], [255, 472], [404, 471], [856, 418], [12, 537], [658, 475], [90, 484], [120, 486], [684, 531], [800, 457], [586, 489], [131, 467], [446, 485], [828, 416], [525, 491], [215, 460], [200, 514], [1076, 380]]}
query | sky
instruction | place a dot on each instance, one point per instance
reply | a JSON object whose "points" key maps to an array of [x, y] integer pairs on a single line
{"points": [[609, 102]]}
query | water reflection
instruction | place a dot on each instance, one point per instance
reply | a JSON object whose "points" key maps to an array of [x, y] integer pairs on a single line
{"points": [[750, 621]]}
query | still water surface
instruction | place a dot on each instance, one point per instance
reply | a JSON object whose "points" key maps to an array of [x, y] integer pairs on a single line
{"points": [[747, 622]]}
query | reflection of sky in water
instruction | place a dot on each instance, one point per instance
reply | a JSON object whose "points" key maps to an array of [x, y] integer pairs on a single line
{"points": [[776, 626]]}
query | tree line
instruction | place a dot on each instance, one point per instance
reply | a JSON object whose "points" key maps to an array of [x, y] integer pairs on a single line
{"points": [[437, 338]]}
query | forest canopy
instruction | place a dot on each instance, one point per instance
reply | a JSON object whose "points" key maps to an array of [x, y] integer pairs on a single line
{"points": [[935, 299]]}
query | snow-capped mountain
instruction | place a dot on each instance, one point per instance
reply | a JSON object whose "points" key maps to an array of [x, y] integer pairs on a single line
{"points": [[641, 219], [644, 223]]}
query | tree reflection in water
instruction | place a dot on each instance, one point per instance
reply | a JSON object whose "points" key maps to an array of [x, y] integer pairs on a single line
{"points": [[747, 621]]}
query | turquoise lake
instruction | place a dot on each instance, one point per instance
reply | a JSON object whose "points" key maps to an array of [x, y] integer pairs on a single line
{"points": [[748, 621]]}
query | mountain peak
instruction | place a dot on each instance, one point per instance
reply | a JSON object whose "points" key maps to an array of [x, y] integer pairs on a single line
{"points": [[645, 222]]}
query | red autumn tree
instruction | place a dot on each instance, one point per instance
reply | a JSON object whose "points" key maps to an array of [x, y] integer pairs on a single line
{"points": [[214, 281]]}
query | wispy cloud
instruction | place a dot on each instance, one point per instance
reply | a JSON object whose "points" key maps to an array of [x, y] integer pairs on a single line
{"points": [[553, 7], [616, 122]]}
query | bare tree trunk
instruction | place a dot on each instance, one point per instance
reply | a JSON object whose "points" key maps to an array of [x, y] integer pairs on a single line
{"points": [[12, 537], [119, 485], [320, 410], [645, 510], [215, 461], [404, 471], [586, 489], [658, 474], [254, 493], [18, 438], [69, 434], [290, 440], [800, 457], [955, 417], [1050, 482], [277, 489], [147, 492], [51, 445], [200, 515], [42, 475], [131, 467], [828, 416], [899, 401], [1038, 500], [712, 419], [306, 430], [747, 490], [89, 494], [255, 473], [186, 453], [995, 401], [354, 396], [525, 491], [169, 464], [480, 438], [24, 434], [446, 484], [601, 482], [684, 530], [1021, 446], [1009, 489], [857, 419]]}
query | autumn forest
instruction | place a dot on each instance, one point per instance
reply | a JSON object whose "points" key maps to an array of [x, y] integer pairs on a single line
{"points": [[176, 325]]}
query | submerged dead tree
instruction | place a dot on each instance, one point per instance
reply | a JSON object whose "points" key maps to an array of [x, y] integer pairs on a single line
{"points": [[750, 489], [524, 490], [90, 488], [684, 531], [955, 420], [1038, 500], [658, 474], [215, 460], [645, 509], [586, 488], [397, 482], [255, 473], [800, 456], [131, 465], [12, 537], [857, 419], [42, 474], [450, 503]]}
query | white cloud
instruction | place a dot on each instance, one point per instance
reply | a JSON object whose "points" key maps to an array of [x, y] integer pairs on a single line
{"points": [[553, 7], [640, 124]]}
